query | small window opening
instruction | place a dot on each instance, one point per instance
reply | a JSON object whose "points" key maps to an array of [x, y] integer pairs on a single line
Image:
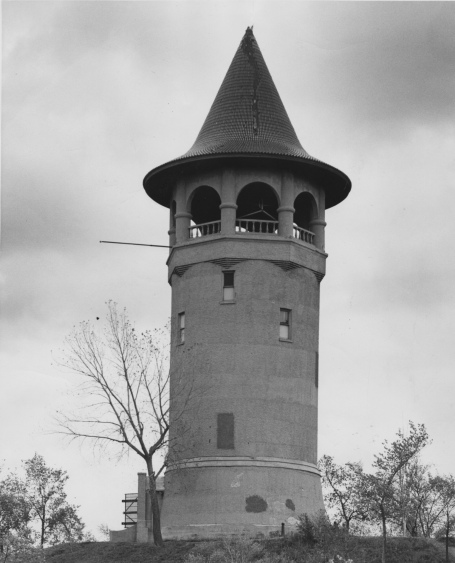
{"points": [[181, 328], [228, 286], [225, 431], [285, 324]]}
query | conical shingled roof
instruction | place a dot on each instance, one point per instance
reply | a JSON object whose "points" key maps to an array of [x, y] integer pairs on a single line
{"points": [[248, 120], [247, 115]]}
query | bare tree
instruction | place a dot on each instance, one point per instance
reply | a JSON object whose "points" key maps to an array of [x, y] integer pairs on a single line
{"points": [[125, 383], [103, 529]]}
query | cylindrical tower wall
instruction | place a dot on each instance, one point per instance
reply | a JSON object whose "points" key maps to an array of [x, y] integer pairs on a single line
{"points": [[244, 443], [234, 350]]}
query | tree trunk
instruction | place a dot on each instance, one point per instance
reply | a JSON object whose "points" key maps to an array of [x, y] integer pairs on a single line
{"points": [[346, 519], [43, 521], [155, 510], [447, 537], [384, 535]]}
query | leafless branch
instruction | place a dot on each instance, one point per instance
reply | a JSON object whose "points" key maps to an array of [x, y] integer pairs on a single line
{"points": [[125, 381]]}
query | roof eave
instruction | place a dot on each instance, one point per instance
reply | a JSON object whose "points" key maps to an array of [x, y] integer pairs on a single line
{"points": [[158, 182]]}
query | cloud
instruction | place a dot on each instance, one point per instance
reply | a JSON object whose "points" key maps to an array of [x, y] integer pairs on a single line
{"points": [[402, 76], [367, 72]]}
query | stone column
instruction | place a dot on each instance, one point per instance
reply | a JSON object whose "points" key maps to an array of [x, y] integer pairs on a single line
{"points": [[182, 217], [182, 225], [285, 220], [228, 206], [171, 232], [286, 210], [228, 218], [317, 225]]}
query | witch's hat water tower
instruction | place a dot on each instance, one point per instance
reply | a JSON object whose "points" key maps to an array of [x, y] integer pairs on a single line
{"points": [[247, 207]]}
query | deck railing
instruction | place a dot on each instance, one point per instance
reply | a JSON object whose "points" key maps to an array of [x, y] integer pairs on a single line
{"points": [[249, 226], [204, 229], [256, 226], [302, 234]]}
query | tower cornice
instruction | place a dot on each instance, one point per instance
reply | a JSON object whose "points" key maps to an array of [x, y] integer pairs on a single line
{"points": [[226, 251]]}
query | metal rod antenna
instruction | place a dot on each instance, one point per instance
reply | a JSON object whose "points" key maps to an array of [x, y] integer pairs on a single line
{"points": [[135, 244]]}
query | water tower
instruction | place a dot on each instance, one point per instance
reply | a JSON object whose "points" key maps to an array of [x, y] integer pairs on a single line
{"points": [[247, 216]]}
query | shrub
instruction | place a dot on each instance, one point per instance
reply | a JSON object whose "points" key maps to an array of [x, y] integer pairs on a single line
{"points": [[275, 558], [195, 558], [230, 550], [339, 559], [306, 530], [19, 548], [317, 529]]}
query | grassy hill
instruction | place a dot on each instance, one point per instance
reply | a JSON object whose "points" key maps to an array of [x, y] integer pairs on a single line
{"points": [[123, 552], [281, 550]]}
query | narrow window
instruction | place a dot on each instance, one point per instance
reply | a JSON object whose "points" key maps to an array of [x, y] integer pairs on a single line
{"points": [[285, 324], [228, 286], [225, 431], [181, 328], [173, 212]]}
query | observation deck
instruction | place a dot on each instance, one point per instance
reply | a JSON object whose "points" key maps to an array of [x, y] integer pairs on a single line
{"points": [[246, 226]]}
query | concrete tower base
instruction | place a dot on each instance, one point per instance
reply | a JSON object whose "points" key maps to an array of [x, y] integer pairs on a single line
{"points": [[221, 496]]}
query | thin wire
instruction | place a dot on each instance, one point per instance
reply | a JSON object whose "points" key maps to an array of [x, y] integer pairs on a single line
{"points": [[135, 244]]}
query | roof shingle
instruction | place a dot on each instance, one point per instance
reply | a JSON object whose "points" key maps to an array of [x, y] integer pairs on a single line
{"points": [[247, 115]]}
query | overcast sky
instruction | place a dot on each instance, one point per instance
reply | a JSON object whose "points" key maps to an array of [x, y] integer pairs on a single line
{"points": [[95, 94]]}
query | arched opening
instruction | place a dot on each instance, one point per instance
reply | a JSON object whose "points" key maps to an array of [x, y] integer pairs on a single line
{"points": [[305, 210], [257, 209], [205, 210], [205, 205]]}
